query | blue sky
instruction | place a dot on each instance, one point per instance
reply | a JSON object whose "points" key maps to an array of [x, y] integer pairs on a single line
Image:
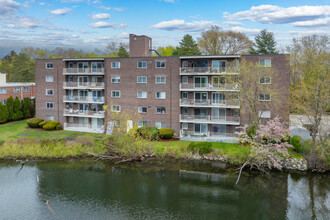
{"points": [[89, 24]]}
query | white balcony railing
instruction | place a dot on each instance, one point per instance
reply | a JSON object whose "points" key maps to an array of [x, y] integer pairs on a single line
{"points": [[208, 134], [210, 119], [84, 127], [87, 99], [84, 113], [208, 70], [210, 102], [208, 87], [92, 85], [82, 71]]}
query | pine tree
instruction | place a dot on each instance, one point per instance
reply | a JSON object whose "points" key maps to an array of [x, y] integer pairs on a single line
{"points": [[17, 109], [26, 106], [264, 43], [10, 108], [3, 113], [187, 47]]}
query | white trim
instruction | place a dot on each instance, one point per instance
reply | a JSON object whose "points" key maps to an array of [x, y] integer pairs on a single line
{"points": [[115, 92], [160, 77], [115, 67], [186, 77], [49, 90], [158, 62], [19, 89], [141, 107], [160, 98], [116, 106], [143, 92], [270, 97], [270, 80], [160, 112], [48, 80], [137, 64], [137, 79], [49, 103], [210, 56], [113, 78], [46, 66], [82, 59]]}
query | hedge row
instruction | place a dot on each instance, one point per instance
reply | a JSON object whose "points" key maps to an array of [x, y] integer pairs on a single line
{"points": [[152, 133], [16, 109], [46, 125]]}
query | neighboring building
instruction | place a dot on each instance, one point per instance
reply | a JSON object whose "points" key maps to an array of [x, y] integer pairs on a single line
{"points": [[188, 93], [20, 90]]}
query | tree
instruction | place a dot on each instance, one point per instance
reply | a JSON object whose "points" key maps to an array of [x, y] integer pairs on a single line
{"points": [[17, 109], [122, 52], [3, 113], [10, 108], [267, 144], [187, 47], [312, 94], [217, 42], [26, 106], [264, 43], [166, 51]]}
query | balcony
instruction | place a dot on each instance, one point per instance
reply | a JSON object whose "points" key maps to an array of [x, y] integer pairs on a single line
{"points": [[84, 128], [189, 135], [83, 99], [83, 85], [209, 87], [209, 71], [83, 71], [208, 119], [234, 103], [83, 113]]}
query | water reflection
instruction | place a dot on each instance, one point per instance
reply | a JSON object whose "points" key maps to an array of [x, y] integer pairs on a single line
{"points": [[99, 190]]}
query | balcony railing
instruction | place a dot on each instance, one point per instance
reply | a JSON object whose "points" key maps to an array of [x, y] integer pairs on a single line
{"points": [[82, 71], [208, 70], [210, 102], [210, 119], [84, 127], [87, 99], [86, 85], [208, 87], [208, 134], [83, 113]]}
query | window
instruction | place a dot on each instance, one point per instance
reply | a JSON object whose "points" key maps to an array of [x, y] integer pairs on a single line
{"points": [[160, 64], [49, 91], [115, 65], [142, 109], [49, 118], [49, 79], [71, 119], [160, 79], [264, 114], [3, 91], [142, 95], [141, 79], [160, 110], [264, 97], [142, 123], [3, 101], [115, 94], [184, 95], [265, 63], [160, 95], [184, 126], [115, 79], [142, 64], [70, 65], [160, 125], [264, 80], [235, 113], [49, 65], [26, 89], [185, 63], [115, 108], [50, 105], [185, 79], [16, 90]]}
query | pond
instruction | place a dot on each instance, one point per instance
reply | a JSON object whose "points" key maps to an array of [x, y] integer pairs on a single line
{"points": [[86, 189]]}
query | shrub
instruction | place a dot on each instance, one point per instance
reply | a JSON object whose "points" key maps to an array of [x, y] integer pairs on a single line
{"points": [[3, 113], [297, 143], [2, 142], [203, 147], [84, 140], [143, 131], [58, 127], [134, 132], [50, 125], [41, 124], [166, 133], [153, 134], [34, 122], [252, 130]]}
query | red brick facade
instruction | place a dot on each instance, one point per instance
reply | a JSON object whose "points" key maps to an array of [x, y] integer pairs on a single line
{"points": [[20, 90]]}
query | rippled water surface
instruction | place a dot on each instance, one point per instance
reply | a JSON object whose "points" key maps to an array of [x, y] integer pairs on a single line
{"points": [[156, 190]]}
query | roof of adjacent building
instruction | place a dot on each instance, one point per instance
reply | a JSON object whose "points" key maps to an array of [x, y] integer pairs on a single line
{"points": [[13, 84]]}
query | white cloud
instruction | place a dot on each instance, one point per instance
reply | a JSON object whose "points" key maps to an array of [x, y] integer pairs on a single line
{"points": [[272, 14], [322, 22], [102, 24], [100, 16], [181, 25], [119, 9], [60, 11], [309, 32], [105, 8], [8, 8], [71, 1], [42, 3], [233, 23], [169, 1], [25, 23], [247, 31]]}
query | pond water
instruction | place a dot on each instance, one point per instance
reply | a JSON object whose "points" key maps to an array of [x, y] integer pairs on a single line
{"points": [[85, 189]]}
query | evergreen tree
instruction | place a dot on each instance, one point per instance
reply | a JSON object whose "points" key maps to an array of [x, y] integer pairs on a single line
{"points": [[122, 52], [187, 47], [3, 113], [264, 43], [17, 109], [10, 108], [26, 106]]}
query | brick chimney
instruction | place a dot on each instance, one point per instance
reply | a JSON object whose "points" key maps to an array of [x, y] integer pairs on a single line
{"points": [[139, 46]]}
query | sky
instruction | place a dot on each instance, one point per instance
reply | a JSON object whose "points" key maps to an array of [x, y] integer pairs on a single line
{"points": [[89, 24]]}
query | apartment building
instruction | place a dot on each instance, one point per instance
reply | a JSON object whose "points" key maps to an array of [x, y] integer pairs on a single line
{"points": [[20, 90], [189, 94]]}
